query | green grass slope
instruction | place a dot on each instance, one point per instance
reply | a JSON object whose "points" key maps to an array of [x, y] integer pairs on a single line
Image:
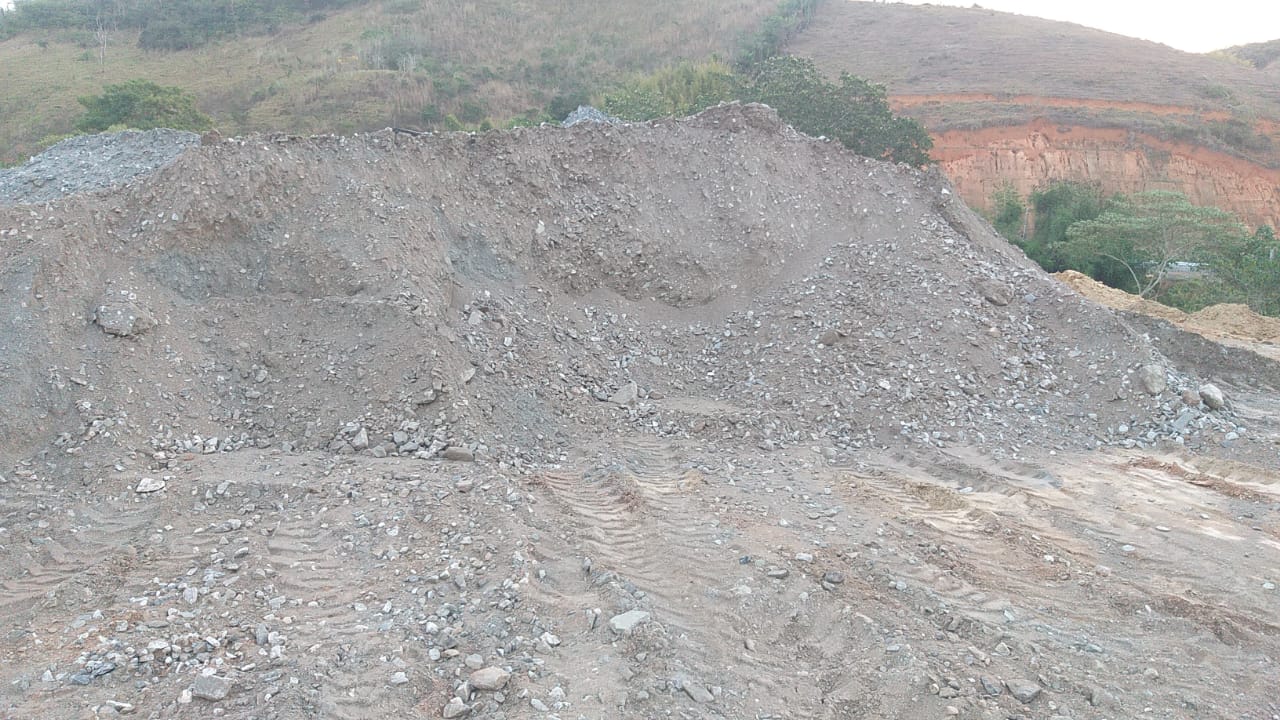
{"points": [[402, 62]]}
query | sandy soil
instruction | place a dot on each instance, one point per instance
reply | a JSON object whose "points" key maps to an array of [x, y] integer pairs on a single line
{"points": [[1227, 323], [700, 419]]}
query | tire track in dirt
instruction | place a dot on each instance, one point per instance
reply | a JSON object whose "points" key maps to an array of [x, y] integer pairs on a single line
{"points": [[640, 517], [78, 561]]}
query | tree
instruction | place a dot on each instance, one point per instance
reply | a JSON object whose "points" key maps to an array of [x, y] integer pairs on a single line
{"points": [[1135, 241], [1055, 208], [855, 112], [1248, 271], [142, 105], [1008, 212]]}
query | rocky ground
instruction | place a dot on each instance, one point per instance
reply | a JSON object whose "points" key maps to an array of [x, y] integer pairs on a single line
{"points": [[690, 419]]}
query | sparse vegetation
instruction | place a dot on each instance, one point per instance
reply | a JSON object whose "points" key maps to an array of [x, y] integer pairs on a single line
{"points": [[1258, 55], [678, 90], [1009, 212], [787, 21], [162, 24]]}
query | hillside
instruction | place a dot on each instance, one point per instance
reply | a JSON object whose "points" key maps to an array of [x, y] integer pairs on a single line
{"points": [[372, 64], [699, 418], [1023, 100]]}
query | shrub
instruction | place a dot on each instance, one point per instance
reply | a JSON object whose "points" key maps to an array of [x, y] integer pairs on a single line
{"points": [[142, 105]]}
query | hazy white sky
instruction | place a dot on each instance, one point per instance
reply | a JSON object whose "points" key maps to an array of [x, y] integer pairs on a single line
{"points": [[1191, 25], [1194, 26]]}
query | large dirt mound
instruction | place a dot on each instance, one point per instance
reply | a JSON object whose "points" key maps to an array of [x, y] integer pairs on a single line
{"points": [[505, 292], [759, 428]]}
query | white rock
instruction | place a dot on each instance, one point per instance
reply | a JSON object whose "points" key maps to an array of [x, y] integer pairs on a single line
{"points": [[1212, 397], [149, 485], [628, 621], [490, 678]]}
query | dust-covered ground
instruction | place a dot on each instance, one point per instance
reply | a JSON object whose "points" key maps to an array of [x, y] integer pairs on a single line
{"points": [[694, 419]]}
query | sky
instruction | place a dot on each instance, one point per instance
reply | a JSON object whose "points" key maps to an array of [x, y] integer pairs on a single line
{"points": [[1190, 25]]}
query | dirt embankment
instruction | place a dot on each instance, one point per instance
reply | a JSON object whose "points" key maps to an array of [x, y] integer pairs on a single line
{"points": [[1033, 154], [903, 102], [1230, 323], [699, 419]]}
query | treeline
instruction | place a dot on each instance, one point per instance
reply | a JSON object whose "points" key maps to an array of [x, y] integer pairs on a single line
{"points": [[164, 24], [1155, 244]]}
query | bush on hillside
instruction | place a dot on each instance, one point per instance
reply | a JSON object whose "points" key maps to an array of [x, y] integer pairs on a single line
{"points": [[855, 112], [142, 105]]}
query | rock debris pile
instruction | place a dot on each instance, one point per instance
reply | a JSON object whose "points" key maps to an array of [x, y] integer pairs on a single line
{"points": [[499, 294], [85, 163], [697, 419]]}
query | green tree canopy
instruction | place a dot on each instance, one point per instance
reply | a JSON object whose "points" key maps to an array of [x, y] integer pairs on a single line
{"points": [[1134, 242], [142, 105], [1248, 271]]}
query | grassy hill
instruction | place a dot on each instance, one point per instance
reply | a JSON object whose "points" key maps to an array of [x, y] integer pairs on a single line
{"points": [[369, 64]]}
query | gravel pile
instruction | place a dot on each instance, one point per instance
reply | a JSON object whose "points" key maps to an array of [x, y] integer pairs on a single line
{"points": [[92, 162], [586, 113], [650, 420], [743, 283]]}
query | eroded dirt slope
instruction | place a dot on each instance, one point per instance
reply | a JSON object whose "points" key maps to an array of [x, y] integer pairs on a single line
{"points": [[1021, 101], [697, 419]]}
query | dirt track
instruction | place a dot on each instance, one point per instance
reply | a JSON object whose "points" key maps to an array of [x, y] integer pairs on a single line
{"points": [[423, 407]]}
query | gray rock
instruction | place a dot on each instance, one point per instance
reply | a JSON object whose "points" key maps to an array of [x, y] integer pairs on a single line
{"points": [[455, 709], [627, 394], [588, 114], [1024, 690], [538, 705], [990, 686], [1190, 397], [1212, 397], [361, 440], [211, 687], [698, 692], [458, 453], [995, 292], [1151, 379], [149, 485], [628, 621], [91, 162], [122, 318], [490, 678]]}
